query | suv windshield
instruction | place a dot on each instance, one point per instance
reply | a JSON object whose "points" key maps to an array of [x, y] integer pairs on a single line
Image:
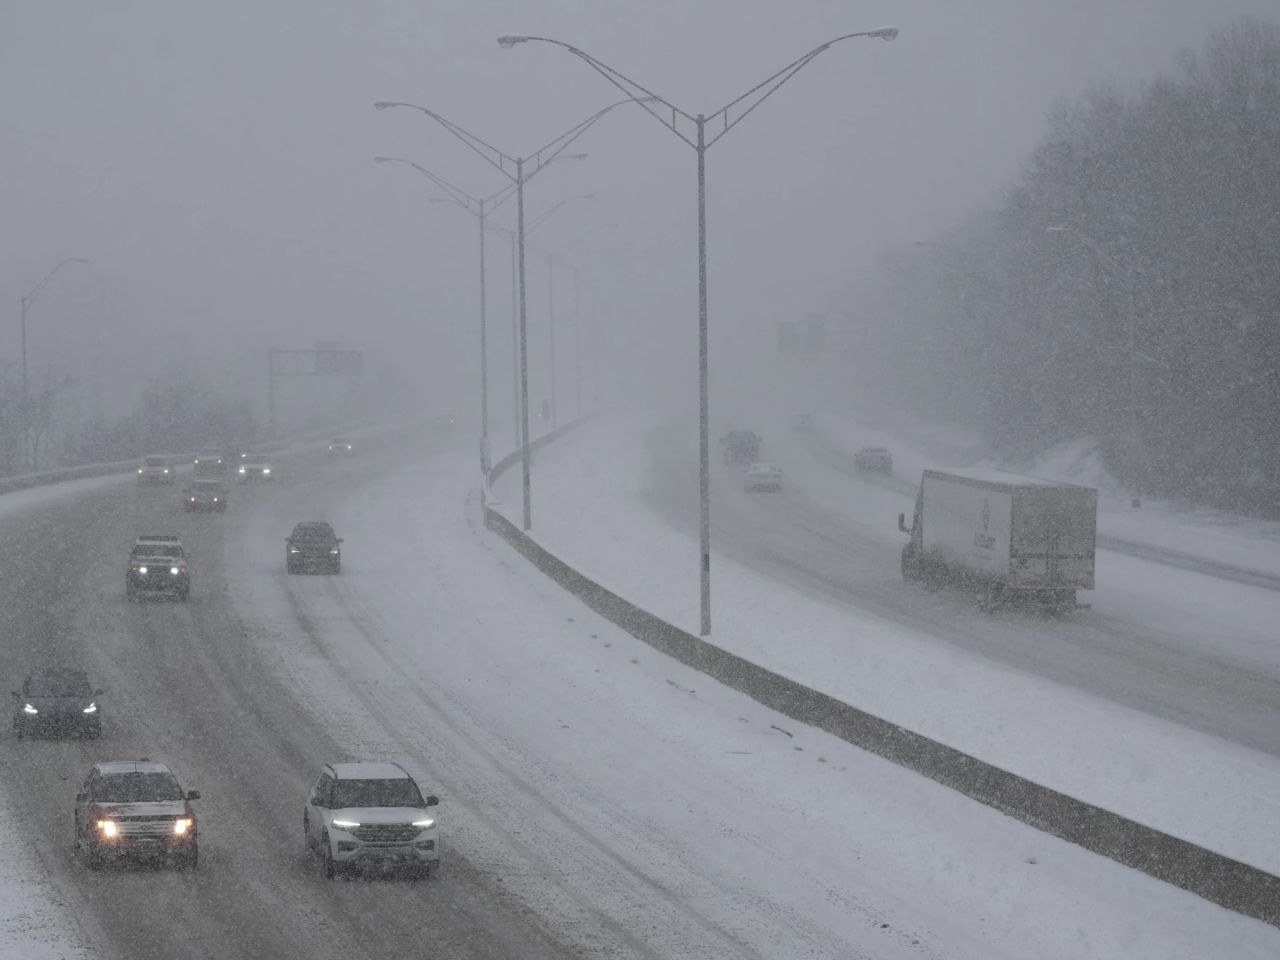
{"points": [[375, 793], [313, 531], [159, 550], [58, 685], [137, 788], [155, 462]]}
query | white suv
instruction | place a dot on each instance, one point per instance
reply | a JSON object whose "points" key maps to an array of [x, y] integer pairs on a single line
{"points": [[370, 814]]}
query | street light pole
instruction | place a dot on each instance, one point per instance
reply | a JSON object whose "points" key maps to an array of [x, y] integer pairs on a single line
{"points": [[701, 144], [499, 161]]}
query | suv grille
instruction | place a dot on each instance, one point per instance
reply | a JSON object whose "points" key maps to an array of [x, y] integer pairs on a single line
{"points": [[157, 826], [386, 832]]}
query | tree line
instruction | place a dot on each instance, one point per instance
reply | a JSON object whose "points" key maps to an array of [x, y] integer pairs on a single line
{"points": [[1126, 288]]}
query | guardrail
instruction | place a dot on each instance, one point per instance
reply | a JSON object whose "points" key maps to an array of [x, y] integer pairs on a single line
{"points": [[1229, 883]]}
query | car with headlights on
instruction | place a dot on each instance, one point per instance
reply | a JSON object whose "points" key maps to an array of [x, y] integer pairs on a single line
{"points": [[369, 814], [209, 462], [313, 546], [256, 469], [341, 447], [205, 493], [157, 567], [156, 469], [136, 809], [762, 476], [57, 701]]}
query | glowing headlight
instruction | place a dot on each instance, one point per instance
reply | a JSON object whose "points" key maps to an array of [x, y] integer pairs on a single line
{"points": [[166, 469], [91, 708], [424, 823], [174, 571], [334, 550], [266, 469], [28, 708], [108, 827], [242, 469], [139, 469], [142, 569], [293, 550], [215, 499], [181, 826], [345, 824]]}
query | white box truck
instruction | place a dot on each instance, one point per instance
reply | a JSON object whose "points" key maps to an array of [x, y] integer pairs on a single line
{"points": [[1010, 536]]}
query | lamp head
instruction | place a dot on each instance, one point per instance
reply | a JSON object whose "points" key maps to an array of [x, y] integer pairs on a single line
{"points": [[884, 33], [509, 40], [383, 104], [381, 159]]}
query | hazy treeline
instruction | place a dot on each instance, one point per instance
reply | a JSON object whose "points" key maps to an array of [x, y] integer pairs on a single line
{"points": [[1126, 288], [169, 418]]}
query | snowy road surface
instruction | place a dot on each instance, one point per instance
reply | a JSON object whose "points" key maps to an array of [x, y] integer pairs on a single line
{"points": [[597, 799]]}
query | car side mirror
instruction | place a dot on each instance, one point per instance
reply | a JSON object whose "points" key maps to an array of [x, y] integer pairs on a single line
{"points": [[339, 539], [433, 801], [193, 794], [902, 523], [97, 693]]}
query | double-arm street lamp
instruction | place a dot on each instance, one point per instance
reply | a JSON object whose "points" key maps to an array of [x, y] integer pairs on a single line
{"points": [[552, 257], [30, 299], [513, 168], [480, 208], [740, 107]]}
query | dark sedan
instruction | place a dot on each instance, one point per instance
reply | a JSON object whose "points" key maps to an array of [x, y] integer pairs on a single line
{"points": [[313, 546], [56, 702]]}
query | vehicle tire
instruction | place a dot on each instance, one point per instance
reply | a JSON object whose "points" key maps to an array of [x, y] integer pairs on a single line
{"points": [[336, 568], [183, 594], [326, 855], [20, 729], [289, 567], [192, 860], [307, 849], [93, 857]]}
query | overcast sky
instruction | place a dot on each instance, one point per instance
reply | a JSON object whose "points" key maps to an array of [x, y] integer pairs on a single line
{"points": [[214, 162]]}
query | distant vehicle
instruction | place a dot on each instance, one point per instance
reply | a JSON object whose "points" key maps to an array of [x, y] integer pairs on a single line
{"points": [[370, 814], [873, 460], [313, 546], [156, 470], [1015, 537], [762, 476], [341, 447], [208, 462], [205, 493], [135, 808], [57, 701], [157, 567], [741, 447], [802, 423], [446, 421], [257, 469]]}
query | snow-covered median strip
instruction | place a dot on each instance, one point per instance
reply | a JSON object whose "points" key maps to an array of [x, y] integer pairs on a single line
{"points": [[590, 512]]}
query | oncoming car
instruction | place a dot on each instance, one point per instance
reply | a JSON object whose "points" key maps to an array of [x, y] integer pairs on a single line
{"points": [[313, 546], [370, 814], [57, 701], [205, 493], [762, 476], [341, 447], [208, 462], [135, 808], [156, 469], [255, 468], [157, 567]]}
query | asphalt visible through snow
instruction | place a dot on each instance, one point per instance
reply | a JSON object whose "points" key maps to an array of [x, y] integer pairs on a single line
{"points": [[186, 684], [834, 556]]}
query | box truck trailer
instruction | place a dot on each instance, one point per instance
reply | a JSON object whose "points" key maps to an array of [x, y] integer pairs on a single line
{"points": [[1011, 537]]}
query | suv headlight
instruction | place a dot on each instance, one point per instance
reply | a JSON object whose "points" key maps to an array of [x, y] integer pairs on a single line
{"points": [[424, 824], [142, 569], [181, 826], [266, 469], [108, 827], [346, 824], [242, 469], [334, 550], [28, 708], [91, 708], [174, 571]]}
